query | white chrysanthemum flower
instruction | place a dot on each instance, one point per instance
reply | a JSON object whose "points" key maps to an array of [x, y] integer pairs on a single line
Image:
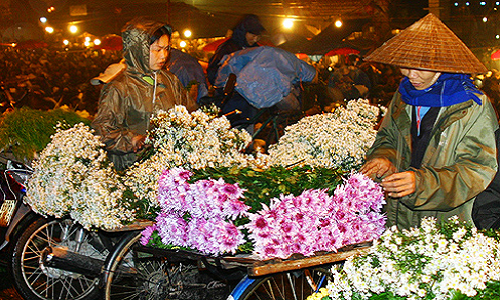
{"points": [[338, 139], [73, 176], [191, 140], [420, 262]]}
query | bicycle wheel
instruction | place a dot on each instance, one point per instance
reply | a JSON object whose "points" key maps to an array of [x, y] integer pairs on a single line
{"points": [[135, 273], [35, 280], [292, 285]]}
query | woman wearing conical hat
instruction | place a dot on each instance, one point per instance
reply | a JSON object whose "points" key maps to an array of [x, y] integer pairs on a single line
{"points": [[435, 149]]}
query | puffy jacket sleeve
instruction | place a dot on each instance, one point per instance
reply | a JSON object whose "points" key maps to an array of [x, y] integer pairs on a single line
{"points": [[110, 121], [462, 164]]}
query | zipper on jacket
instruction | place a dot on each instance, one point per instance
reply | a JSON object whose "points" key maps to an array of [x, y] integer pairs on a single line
{"points": [[154, 89]]}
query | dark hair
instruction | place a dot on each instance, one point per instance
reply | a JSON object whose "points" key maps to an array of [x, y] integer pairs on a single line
{"points": [[164, 30]]}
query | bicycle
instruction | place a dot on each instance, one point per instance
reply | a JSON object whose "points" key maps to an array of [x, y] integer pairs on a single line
{"points": [[134, 271]]}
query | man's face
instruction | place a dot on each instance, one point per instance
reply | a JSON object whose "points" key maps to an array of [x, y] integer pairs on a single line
{"points": [[159, 52], [420, 79], [252, 38]]}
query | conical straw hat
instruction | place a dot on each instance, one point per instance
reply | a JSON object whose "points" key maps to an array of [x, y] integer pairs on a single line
{"points": [[428, 44]]}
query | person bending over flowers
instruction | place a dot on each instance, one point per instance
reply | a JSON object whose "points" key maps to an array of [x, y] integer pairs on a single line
{"points": [[435, 149]]}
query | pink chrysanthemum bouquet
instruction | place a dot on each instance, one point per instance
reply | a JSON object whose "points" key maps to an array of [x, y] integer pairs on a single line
{"points": [[201, 216], [315, 221], [198, 215]]}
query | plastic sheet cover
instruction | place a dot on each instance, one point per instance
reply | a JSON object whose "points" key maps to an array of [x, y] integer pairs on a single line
{"points": [[264, 74]]}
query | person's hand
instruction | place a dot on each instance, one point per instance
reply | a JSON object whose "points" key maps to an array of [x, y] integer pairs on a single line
{"points": [[400, 184], [378, 167], [138, 142]]}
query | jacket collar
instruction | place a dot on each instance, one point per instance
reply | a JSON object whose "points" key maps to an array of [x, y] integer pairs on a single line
{"points": [[452, 114], [449, 115]]}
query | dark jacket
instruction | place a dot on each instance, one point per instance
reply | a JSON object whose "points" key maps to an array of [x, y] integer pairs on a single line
{"points": [[188, 70], [486, 209], [237, 42], [127, 102]]}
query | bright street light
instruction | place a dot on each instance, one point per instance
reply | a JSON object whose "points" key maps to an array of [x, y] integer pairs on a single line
{"points": [[73, 29], [187, 33], [97, 42], [43, 20], [338, 23], [288, 23], [49, 29], [183, 44]]}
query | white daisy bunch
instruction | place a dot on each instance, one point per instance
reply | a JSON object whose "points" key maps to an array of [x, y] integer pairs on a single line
{"points": [[73, 176], [430, 262], [331, 140], [190, 140]]}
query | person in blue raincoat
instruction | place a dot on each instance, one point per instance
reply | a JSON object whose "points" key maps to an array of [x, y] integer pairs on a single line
{"points": [[245, 35], [266, 76]]}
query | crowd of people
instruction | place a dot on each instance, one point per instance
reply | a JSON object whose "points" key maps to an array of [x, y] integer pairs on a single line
{"points": [[46, 78], [353, 78]]}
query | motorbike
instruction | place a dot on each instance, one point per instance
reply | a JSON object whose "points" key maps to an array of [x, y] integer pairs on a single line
{"points": [[12, 210], [27, 241]]}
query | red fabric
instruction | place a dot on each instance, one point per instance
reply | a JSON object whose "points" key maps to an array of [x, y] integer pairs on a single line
{"points": [[301, 56], [342, 51], [113, 42], [213, 45], [31, 44], [495, 55]]}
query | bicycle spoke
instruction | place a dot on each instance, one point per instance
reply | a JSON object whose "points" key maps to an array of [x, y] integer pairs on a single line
{"points": [[43, 286], [34, 248], [38, 272], [293, 285], [52, 283]]}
